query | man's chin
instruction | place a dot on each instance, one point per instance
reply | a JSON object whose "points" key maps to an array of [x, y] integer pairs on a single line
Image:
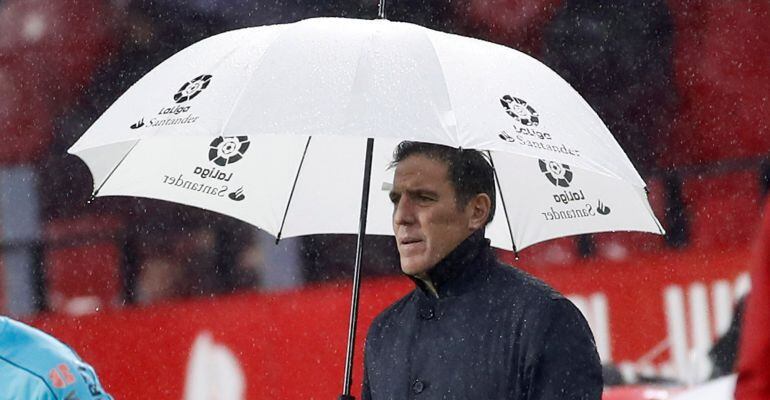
{"points": [[414, 267]]}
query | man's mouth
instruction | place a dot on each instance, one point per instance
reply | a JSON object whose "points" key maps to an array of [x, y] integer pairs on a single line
{"points": [[408, 241]]}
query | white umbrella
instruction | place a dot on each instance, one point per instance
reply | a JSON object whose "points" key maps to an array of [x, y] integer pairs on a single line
{"points": [[272, 124]]}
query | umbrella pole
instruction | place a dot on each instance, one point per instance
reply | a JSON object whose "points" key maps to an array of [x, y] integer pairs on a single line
{"points": [[381, 9], [357, 271]]}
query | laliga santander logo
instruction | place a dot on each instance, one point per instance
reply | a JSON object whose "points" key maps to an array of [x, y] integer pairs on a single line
{"points": [[179, 114], [520, 110], [558, 174], [189, 90], [561, 175], [227, 150]]}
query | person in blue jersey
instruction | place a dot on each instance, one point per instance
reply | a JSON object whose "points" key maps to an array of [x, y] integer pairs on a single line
{"points": [[37, 366]]}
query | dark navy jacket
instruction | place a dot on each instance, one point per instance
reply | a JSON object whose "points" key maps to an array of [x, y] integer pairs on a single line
{"points": [[494, 332]]}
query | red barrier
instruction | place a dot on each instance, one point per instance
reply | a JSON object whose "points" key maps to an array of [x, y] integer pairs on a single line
{"points": [[289, 345], [292, 345]]}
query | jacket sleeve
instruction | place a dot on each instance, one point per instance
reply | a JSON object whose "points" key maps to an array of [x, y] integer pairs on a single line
{"points": [[563, 362], [365, 392]]}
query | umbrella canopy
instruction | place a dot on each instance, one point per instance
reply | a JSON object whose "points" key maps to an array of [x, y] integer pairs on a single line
{"points": [[270, 125]]}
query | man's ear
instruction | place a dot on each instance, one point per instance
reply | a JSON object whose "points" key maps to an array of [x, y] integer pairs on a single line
{"points": [[479, 206]]}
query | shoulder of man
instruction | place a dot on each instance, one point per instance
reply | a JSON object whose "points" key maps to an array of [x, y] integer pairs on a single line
{"points": [[559, 348], [44, 367], [543, 307], [545, 311]]}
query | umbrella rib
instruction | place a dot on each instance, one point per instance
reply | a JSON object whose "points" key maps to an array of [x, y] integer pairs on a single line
{"points": [[502, 200], [96, 192], [293, 186], [381, 11]]}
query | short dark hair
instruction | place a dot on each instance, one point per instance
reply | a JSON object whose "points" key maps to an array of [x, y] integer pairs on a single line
{"points": [[468, 170]]}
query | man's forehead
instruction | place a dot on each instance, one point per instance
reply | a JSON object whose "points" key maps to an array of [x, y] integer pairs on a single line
{"points": [[420, 170]]}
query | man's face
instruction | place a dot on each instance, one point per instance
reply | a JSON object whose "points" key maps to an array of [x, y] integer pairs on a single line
{"points": [[426, 219]]}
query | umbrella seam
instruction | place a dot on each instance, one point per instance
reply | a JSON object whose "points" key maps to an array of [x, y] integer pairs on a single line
{"points": [[82, 149], [446, 87], [364, 43], [115, 168]]}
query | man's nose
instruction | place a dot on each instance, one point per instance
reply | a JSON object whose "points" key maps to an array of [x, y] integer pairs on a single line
{"points": [[403, 213]]}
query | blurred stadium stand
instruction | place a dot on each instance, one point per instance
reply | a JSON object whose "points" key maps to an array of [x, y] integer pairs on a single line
{"points": [[721, 74], [48, 53]]}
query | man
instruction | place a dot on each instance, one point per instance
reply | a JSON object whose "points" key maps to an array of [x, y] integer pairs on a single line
{"points": [[36, 366], [473, 328]]}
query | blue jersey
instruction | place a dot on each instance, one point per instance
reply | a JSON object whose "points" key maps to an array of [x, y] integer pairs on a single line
{"points": [[36, 366]]}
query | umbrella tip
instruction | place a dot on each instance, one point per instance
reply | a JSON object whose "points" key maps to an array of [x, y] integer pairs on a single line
{"points": [[277, 238]]}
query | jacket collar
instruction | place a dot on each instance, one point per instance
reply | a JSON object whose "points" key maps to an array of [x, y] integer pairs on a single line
{"points": [[453, 275]]}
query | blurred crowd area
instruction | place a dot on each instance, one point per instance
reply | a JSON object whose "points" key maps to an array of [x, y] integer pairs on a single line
{"points": [[682, 84]]}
